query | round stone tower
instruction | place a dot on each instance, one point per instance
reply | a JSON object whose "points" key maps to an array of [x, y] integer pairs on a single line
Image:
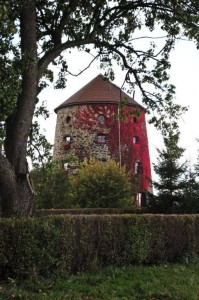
{"points": [[102, 121]]}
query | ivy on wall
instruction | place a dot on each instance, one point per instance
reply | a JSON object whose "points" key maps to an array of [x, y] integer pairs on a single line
{"points": [[130, 122]]}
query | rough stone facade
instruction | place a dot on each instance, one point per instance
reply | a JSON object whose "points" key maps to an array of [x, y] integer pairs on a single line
{"points": [[83, 143], [104, 129]]}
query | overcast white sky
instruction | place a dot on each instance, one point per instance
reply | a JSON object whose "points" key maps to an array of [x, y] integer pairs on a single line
{"points": [[184, 75]]}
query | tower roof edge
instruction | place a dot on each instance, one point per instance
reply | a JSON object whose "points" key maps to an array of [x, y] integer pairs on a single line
{"points": [[99, 90]]}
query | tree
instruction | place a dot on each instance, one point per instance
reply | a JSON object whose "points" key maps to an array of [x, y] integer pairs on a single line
{"points": [[190, 203], [101, 184], [172, 172], [39, 150], [191, 192], [52, 186], [34, 35], [172, 177]]}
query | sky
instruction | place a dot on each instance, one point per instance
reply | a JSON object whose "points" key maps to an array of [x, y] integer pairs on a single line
{"points": [[184, 75]]}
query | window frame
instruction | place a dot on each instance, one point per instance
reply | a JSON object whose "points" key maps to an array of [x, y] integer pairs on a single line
{"points": [[99, 140]]}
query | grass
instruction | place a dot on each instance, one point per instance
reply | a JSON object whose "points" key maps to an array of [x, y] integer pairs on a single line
{"points": [[172, 281]]}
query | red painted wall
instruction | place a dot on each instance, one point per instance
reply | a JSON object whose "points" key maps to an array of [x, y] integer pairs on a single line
{"points": [[87, 118]]}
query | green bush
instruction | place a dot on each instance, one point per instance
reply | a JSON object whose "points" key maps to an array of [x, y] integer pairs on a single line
{"points": [[90, 211], [38, 246], [51, 185], [101, 184]]}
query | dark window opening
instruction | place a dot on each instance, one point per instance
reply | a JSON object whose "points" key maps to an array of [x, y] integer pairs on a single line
{"points": [[143, 200], [134, 119], [68, 119], [136, 139], [138, 167]]}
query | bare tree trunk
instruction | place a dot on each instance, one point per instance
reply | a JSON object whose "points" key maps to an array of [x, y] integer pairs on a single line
{"points": [[14, 168]]}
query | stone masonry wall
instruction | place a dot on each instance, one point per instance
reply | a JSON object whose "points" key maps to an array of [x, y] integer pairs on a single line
{"points": [[93, 131], [83, 140]]}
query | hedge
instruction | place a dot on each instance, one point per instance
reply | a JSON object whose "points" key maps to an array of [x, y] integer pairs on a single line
{"points": [[90, 211], [38, 246]]}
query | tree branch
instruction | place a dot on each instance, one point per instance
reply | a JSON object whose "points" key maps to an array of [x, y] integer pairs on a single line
{"points": [[57, 50], [85, 67]]}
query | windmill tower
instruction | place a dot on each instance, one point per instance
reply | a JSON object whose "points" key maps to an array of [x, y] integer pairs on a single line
{"points": [[102, 121]]}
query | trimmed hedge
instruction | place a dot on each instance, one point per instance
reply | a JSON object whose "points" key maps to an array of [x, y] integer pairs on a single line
{"points": [[90, 211], [37, 246]]}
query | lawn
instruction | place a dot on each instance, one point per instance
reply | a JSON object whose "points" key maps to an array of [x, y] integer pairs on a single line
{"points": [[172, 281]]}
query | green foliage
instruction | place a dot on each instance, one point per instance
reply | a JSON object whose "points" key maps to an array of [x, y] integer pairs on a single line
{"points": [[51, 185], [169, 168], [191, 191], [141, 238], [109, 31], [27, 252], [91, 211], [172, 177], [168, 281], [119, 28], [39, 149], [33, 247], [178, 188], [101, 184]]}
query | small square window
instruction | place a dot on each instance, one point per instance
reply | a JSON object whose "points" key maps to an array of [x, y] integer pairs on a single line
{"points": [[68, 139], [101, 138], [134, 120], [136, 139]]}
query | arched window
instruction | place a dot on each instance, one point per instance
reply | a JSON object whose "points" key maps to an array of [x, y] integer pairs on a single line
{"points": [[68, 119], [138, 167]]}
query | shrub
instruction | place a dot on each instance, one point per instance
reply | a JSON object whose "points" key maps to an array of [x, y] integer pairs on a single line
{"points": [[38, 246], [51, 185], [101, 184], [91, 211]]}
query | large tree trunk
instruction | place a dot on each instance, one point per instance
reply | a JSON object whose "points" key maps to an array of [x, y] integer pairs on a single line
{"points": [[15, 187]]}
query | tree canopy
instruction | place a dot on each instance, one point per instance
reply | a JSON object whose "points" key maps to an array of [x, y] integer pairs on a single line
{"points": [[35, 35], [172, 177]]}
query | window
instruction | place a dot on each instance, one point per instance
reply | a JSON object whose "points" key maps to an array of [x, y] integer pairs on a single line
{"points": [[68, 139], [134, 120], [101, 138], [136, 139], [68, 119], [138, 167], [101, 119]]}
